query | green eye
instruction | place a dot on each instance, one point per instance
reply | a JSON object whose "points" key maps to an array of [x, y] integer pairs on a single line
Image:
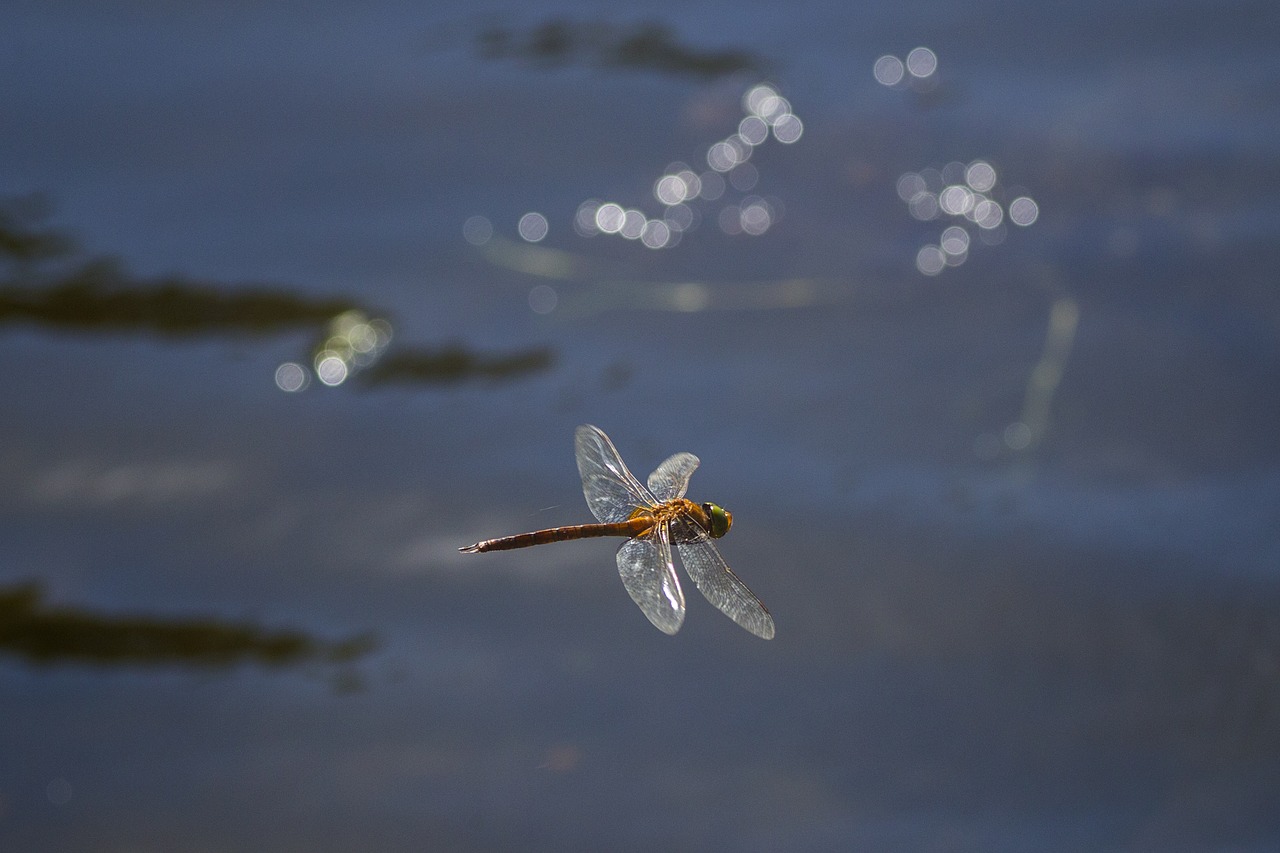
{"points": [[721, 519]]}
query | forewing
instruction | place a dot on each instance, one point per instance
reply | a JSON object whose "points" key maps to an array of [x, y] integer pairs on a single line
{"points": [[645, 565], [717, 582], [612, 492], [671, 478]]}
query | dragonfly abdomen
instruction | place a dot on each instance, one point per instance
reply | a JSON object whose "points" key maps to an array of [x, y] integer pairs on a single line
{"points": [[631, 527]]}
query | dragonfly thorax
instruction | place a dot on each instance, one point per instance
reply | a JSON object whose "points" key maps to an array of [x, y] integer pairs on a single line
{"points": [[712, 518]]}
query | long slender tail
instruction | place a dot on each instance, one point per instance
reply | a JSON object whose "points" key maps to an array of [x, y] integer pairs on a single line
{"points": [[634, 527]]}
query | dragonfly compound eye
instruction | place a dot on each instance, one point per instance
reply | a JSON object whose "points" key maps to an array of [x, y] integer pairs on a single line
{"points": [[721, 519]]}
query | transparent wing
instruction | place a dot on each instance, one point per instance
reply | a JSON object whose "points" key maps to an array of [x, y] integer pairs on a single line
{"points": [[645, 565], [717, 582], [671, 478], [611, 492]]}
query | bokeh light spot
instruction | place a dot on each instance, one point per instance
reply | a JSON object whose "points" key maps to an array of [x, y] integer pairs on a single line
{"points": [[679, 217], [656, 234], [543, 299], [756, 95], [533, 227], [755, 217], [924, 206], [773, 107], [922, 62], [722, 157], [888, 70], [1017, 436], [292, 377], [744, 177], [987, 214], [930, 260], [477, 230], [980, 176], [670, 189], [955, 241], [584, 221], [788, 129], [1023, 211], [993, 236], [955, 200], [753, 130], [609, 217], [692, 183], [633, 223], [730, 219], [910, 185], [712, 186], [331, 368]]}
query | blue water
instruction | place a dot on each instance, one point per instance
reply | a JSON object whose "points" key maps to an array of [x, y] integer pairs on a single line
{"points": [[1018, 523]]}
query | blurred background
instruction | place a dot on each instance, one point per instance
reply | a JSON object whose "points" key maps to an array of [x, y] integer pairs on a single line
{"points": [[969, 309]]}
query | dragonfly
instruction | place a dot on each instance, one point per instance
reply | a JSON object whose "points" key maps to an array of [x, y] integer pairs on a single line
{"points": [[653, 519]]}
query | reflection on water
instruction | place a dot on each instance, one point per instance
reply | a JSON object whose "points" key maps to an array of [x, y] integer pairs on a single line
{"points": [[688, 197], [353, 342], [21, 241], [647, 46], [1030, 428], [1063, 635], [456, 363], [968, 193], [42, 634], [918, 71], [44, 281], [101, 296]]}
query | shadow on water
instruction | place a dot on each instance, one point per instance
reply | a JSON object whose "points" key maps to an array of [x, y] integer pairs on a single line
{"points": [[645, 46], [45, 281], [45, 635]]}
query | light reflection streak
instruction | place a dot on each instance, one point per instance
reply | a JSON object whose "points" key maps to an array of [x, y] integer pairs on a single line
{"points": [[159, 482], [541, 261], [700, 296], [1042, 385]]}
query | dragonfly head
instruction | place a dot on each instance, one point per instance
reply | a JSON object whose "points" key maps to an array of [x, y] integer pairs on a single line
{"points": [[720, 518]]}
